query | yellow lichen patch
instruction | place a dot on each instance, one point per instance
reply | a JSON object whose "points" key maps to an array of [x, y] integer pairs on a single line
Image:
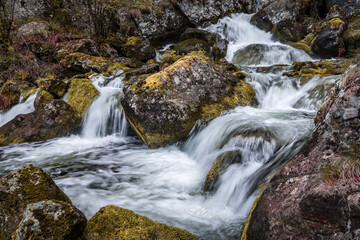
{"points": [[335, 23], [133, 41], [305, 44], [112, 69], [42, 97], [81, 95], [112, 222], [87, 62], [247, 223]]}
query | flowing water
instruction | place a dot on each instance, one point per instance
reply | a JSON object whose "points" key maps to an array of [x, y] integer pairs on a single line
{"points": [[104, 165]]}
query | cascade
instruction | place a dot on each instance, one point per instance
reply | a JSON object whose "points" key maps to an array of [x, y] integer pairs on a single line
{"points": [[103, 165]]}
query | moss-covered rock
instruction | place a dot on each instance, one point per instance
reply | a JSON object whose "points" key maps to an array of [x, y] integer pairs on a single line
{"points": [[191, 45], [86, 46], [305, 44], [55, 119], [219, 167], [352, 35], [83, 63], [329, 42], [113, 222], [81, 94], [11, 92], [245, 232], [164, 107], [52, 85], [42, 98], [322, 68], [139, 48], [18, 189], [51, 219], [289, 30]]}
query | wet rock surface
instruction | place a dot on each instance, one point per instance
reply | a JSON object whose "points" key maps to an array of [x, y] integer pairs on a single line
{"points": [[315, 195], [163, 108]]}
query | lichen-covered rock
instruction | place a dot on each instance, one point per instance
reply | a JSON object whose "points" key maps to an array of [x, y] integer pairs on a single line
{"points": [[42, 98], [113, 222], [219, 167], [350, 6], [81, 94], [305, 44], [352, 35], [52, 85], [329, 42], [139, 48], [55, 119], [146, 69], [51, 219], [33, 28], [86, 46], [83, 63], [191, 45], [164, 107], [18, 189], [11, 92], [322, 68], [316, 194]]}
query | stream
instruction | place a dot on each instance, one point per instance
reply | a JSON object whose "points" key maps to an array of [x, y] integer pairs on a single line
{"points": [[104, 165]]}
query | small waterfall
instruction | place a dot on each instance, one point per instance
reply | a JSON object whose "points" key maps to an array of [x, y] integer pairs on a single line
{"points": [[106, 116], [21, 108]]}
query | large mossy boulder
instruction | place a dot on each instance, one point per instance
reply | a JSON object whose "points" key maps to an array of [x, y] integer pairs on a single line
{"points": [[113, 222], [55, 119], [51, 220], [316, 195], [191, 45], [21, 187], [329, 42], [139, 48], [81, 94], [83, 63], [164, 107]]}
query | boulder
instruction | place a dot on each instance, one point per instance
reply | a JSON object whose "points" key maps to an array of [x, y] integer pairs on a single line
{"points": [[329, 42], [198, 12], [219, 167], [81, 94], [113, 222], [337, 12], [55, 119], [11, 92], [352, 35], [164, 107], [31, 29], [191, 45], [51, 219], [52, 85], [83, 63], [86, 46], [21, 187], [209, 37], [139, 48], [289, 30], [316, 194]]}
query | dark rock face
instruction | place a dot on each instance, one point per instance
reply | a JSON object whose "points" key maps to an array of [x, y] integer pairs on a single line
{"points": [[190, 45], [329, 42], [164, 107], [55, 119], [316, 195], [63, 221], [113, 222], [18, 189], [289, 30]]}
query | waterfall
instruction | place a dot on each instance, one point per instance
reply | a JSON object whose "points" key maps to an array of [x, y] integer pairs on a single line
{"points": [[103, 165], [106, 116]]}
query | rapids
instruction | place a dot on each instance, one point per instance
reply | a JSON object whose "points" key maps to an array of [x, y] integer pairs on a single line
{"points": [[104, 165]]}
